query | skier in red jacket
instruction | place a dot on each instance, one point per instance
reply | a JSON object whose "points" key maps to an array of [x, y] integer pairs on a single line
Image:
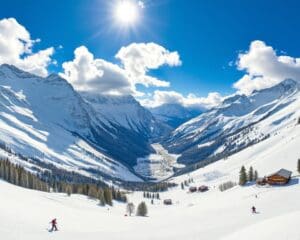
{"points": [[54, 223]]}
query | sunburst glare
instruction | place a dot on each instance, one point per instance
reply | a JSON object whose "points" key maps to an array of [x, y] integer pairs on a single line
{"points": [[127, 12]]}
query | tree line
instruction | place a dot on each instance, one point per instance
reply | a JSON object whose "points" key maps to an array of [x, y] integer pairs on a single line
{"points": [[149, 186], [17, 175], [151, 195], [186, 183]]}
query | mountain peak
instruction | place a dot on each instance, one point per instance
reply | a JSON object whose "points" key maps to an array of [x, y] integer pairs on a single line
{"points": [[290, 84], [284, 87], [8, 66], [11, 70]]}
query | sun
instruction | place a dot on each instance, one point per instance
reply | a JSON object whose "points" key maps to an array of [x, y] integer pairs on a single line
{"points": [[126, 12]]}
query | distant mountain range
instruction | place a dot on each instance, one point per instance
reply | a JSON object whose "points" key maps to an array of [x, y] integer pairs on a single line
{"points": [[174, 114]]}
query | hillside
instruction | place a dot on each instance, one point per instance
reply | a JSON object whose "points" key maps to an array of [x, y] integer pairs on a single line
{"points": [[240, 121], [210, 215], [44, 118]]}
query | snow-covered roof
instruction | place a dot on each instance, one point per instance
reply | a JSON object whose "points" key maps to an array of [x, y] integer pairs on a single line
{"points": [[283, 173]]}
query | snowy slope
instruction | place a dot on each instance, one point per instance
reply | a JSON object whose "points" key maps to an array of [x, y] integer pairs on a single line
{"points": [[46, 119], [211, 215], [126, 112], [238, 122], [174, 114]]}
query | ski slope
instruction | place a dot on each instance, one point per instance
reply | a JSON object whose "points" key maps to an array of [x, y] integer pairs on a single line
{"points": [[24, 214]]}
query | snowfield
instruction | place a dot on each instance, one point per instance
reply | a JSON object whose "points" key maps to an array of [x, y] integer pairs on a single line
{"points": [[25, 214]]}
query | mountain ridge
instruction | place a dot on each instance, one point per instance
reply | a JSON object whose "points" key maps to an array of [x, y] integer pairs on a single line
{"points": [[211, 133]]}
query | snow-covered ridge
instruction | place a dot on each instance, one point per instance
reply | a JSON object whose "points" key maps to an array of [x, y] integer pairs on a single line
{"points": [[238, 122], [124, 111], [46, 119]]}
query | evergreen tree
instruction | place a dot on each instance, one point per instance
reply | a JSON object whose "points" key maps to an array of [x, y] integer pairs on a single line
{"points": [[108, 196], [142, 209], [101, 197], [69, 190], [250, 174], [130, 208], [92, 191], [255, 175], [182, 186], [120, 197], [298, 165], [114, 193], [243, 176]]}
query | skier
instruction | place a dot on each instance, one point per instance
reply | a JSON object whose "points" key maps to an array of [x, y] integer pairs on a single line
{"points": [[54, 227], [253, 209]]}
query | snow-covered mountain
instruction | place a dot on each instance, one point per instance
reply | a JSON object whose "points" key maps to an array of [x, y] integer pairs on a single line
{"points": [[174, 114], [240, 121], [47, 119], [127, 113], [96, 135]]}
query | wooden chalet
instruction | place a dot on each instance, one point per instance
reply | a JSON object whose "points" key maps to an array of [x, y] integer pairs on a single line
{"points": [[168, 202], [203, 188], [280, 177], [193, 189]]}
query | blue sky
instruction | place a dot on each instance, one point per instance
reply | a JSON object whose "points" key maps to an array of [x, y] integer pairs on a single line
{"points": [[208, 35]]}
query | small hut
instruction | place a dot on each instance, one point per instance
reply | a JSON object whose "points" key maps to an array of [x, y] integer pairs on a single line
{"points": [[280, 177], [203, 188], [193, 189], [168, 202], [261, 181]]}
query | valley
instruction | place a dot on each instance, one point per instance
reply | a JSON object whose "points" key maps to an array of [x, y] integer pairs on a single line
{"points": [[159, 165]]}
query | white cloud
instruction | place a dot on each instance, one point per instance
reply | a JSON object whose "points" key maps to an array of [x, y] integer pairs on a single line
{"points": [[87, 73], [16, 48], [264, 68], [190, 101], [138, 58], [141, 4]]}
